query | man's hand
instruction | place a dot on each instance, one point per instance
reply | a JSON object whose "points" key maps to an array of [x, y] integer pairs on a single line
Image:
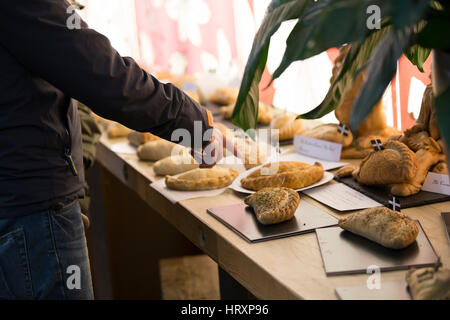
{"points": [[214, 151]]}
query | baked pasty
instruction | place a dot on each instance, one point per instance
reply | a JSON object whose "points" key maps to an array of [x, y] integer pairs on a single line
{"points": [[428, 156], [175, 164], [160, 149], [265, 113], [225, 96], [441, 168], [329, 132], [274, 205], [288, 126], [382, 225], [137, 138], [395, 164], [117, 130], [202, 179], [289, 174], [429, 284], [346, 171], [252, 153]]}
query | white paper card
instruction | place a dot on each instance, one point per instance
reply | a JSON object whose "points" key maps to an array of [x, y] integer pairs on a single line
{"points": [[341, 197], [123, 147], [436, 182], [327, 165], [175, 196], [317, 148]]}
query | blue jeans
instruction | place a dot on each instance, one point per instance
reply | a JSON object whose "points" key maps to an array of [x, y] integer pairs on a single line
{"points": [[44, 256]]}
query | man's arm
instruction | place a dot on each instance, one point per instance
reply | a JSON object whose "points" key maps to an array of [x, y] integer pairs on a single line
{"points": [[83, 64]]}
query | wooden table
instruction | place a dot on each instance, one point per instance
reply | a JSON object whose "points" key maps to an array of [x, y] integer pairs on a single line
{"points": [[289, 268]]}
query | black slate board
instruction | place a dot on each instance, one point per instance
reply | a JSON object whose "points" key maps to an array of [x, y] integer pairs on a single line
{"points": [[241, 219], [382, 194], [346, 253]]}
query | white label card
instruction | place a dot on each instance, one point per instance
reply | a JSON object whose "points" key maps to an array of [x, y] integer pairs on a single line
{"points": [[438, 183], [316, 148], [341, 197]]}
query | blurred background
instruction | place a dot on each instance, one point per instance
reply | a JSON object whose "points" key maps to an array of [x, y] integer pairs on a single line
{"points": [[214, 37]]}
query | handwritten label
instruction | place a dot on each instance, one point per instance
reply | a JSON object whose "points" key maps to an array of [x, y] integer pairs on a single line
{"points": [[438, 183], [341, 197], [316, 148]]}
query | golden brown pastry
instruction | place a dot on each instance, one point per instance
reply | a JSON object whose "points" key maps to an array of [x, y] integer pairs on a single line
{"points": [[346, 171], [265, 112], [289, 174], [429, 284], [225, 96], [426, 157], [252, 153], [382, 225], [173, 165], [202, 179], [329, 132], [137, 138], [288, 126], [274, 205], [440, 168], [160, 149], [354, 153], [375, 121], [395, 164], [117, 130]]}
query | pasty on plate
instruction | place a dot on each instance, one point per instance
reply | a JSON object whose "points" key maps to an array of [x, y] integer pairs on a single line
{"points": [[274, 205], [288, 174], [382, 225], [202, 179]]}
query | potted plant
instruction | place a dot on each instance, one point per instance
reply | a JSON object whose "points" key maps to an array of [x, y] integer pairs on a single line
{"points": [[378, 32]]}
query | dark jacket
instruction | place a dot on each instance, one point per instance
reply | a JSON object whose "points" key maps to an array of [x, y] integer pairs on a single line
{"points": [[43, 64]]}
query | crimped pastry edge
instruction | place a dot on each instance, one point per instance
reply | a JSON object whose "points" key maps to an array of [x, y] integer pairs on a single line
{"points": [[201, 184], [285, 213]]}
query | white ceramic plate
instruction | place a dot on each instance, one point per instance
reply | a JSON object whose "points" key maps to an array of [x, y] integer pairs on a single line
{"points": [[236, 185]]}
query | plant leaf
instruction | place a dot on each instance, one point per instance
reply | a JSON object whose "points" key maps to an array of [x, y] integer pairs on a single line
{"points": [[380, 71], [315, 31], [442, 109], [245, 113], [406, 13], [417, 55], [356, 59], [433, 34]]}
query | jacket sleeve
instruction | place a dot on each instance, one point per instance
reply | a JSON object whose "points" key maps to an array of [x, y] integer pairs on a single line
{"points": [[82, 63]]}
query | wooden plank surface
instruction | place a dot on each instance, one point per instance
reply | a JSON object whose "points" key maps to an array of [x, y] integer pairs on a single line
{"points": [[289, 268]]}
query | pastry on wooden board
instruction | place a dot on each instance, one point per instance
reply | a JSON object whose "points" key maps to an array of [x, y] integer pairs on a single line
{"points": [[329, 132], [202, 179], [117, 130], [346, 171], [440, 168], [429, 283], [289, 174], [395, 164], [160, 149], [426, 157], [137, 138], [288, 126], [173, 165], [274, 205], [382, 225], [225, 96]]}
